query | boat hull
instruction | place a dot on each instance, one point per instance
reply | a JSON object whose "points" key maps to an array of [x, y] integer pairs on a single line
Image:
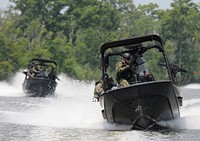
{"points": [[142, 105], [39, 87]]}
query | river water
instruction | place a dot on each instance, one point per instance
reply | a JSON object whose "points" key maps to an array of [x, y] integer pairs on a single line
{"points": [[71, 115]]}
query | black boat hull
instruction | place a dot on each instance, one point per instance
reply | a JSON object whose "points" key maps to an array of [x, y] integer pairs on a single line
{"points": [[39, 87], [142, 105]]}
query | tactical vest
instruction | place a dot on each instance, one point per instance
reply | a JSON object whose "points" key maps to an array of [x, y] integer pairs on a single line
{"points": [[127, 74]]}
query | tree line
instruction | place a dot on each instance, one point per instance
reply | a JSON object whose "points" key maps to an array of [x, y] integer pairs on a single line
{"points": [[72, 31]]}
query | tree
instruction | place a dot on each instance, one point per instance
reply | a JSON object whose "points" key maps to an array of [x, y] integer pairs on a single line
{"points": [[181, 26], [139, 21]]}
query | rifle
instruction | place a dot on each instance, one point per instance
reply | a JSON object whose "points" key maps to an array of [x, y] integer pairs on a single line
{"points": [[174, 69]]}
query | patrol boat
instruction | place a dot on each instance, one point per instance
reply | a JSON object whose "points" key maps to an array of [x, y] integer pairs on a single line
{"points": [[152, 96], [40, 78]]}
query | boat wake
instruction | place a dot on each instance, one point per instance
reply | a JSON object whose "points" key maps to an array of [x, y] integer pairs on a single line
{"points": [[190, 113], [72, 107], [12, 88], [192, 86]]}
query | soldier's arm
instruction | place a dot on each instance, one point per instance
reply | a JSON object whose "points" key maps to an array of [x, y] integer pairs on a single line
{"points": [[120, 67]]}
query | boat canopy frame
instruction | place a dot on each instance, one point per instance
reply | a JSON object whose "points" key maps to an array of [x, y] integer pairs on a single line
{"points": [[132, 43], [43, 61]]}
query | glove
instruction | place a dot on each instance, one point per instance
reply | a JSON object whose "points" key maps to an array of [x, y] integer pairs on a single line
{"points": [[125, 68]]}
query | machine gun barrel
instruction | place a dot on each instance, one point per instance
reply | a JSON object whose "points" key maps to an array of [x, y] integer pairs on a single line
{"points": [[174, 67]]}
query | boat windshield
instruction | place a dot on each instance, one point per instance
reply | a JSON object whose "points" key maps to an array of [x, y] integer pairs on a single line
{"points": [[144, 69]]}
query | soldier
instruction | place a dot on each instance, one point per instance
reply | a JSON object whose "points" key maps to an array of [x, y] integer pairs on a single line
{"points": [[33, 71], [98, 89], [124, 71]]}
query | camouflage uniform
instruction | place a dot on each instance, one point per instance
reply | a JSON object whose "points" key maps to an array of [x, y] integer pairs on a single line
{"points": [[32, 71], [98, 89], [121, 67]]}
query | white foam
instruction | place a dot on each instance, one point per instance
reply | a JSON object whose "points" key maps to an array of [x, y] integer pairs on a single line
{"points": [[192, 86], [13, 87], [73, 108], [190, 115]]}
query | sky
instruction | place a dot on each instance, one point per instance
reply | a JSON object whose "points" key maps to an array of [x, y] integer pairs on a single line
{"points": [[4, 4], [163, 4]]}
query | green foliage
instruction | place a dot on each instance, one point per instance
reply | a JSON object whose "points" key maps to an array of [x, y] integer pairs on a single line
{"points": [[180, 25], [5, 70], [71, 32]]}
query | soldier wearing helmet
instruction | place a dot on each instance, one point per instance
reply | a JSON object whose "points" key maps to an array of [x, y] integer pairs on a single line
{"points": [[124, 72]]}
